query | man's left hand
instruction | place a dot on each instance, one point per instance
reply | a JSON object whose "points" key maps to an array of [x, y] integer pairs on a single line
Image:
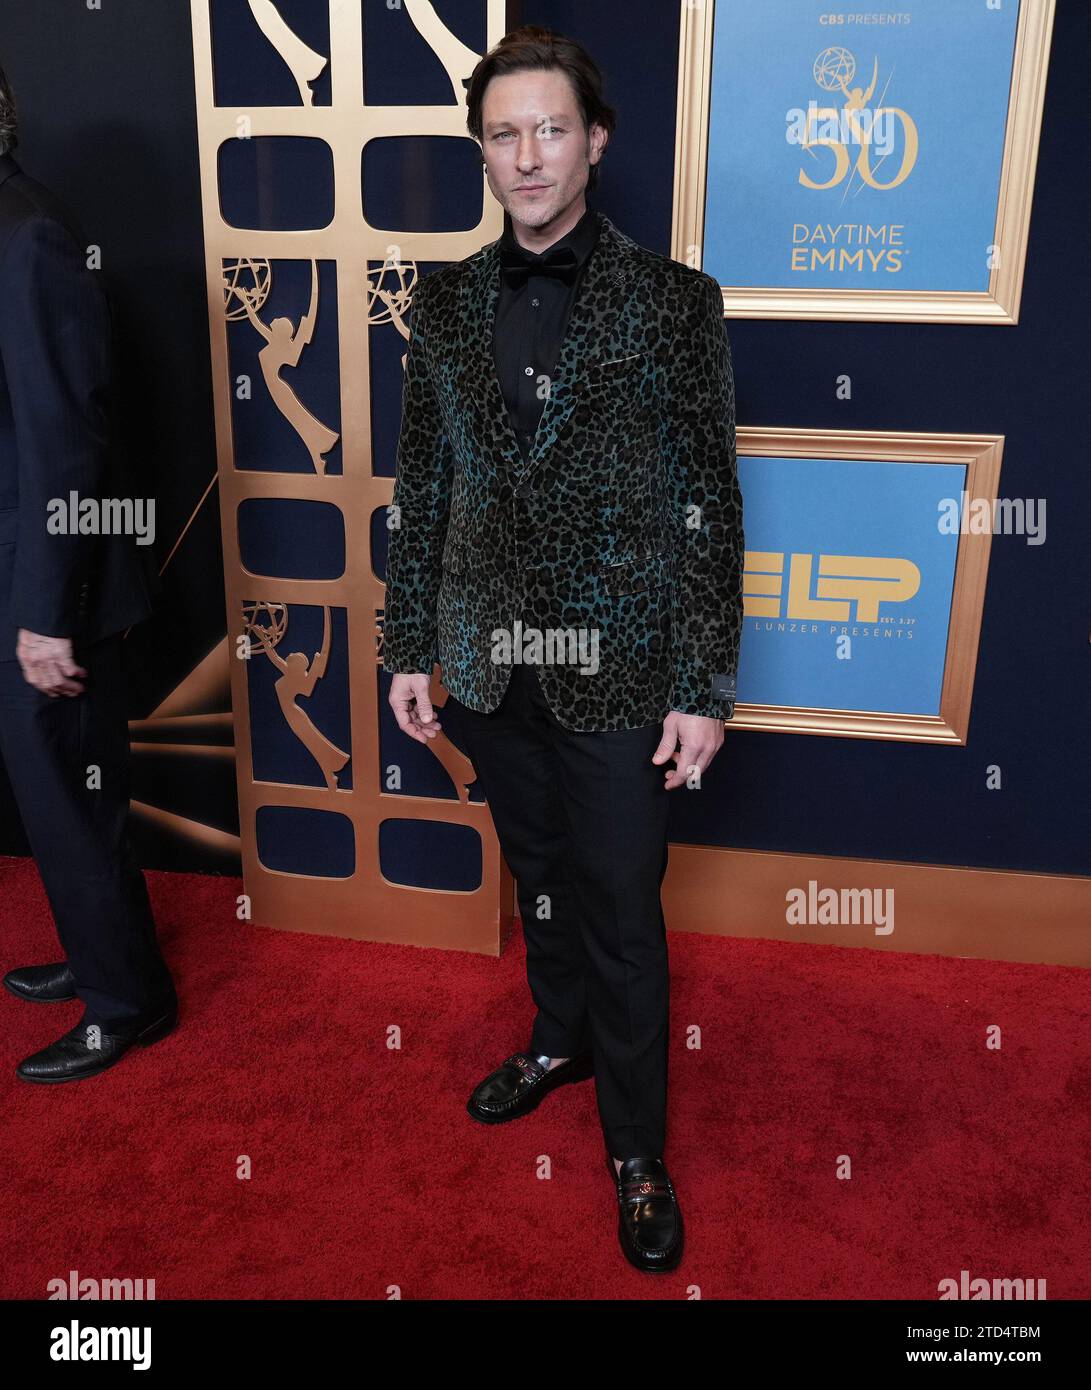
{"points": [[48, 663], [700, 741]]}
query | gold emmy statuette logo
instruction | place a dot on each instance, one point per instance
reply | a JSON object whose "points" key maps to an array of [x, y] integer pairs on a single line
{"points": [[304, 63], [284, 344], [856, 123], [268, 623], [395, 300]]}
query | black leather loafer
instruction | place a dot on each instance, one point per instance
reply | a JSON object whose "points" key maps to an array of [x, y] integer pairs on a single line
{"points": [[83, 1052], [649, 1224], [521, 1083], [42, 984]]}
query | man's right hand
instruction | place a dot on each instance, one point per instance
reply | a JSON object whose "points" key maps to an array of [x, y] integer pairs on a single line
{"points": [[409, 699], [48, 664]]}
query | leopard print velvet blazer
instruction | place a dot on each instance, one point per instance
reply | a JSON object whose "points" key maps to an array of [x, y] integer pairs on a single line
{"points": [[621, 534]]}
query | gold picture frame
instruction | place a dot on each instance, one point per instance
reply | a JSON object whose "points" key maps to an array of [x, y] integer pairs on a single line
{"points": [[981, 455], [998, 305]]}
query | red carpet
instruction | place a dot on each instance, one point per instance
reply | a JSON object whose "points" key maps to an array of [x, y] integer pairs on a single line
{"points": [[368, 1173]]}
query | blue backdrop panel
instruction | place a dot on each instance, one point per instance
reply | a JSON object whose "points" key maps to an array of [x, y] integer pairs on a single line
{"points": [[300, 840], [393, 50], [276, 183], [248, 69], [400, 172], [291, 538], [430, 854]]}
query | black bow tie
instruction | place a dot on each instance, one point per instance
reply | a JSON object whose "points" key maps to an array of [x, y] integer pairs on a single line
{"points": [[516, 264]]}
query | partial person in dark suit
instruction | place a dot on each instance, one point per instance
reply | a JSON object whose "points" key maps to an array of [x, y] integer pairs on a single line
{"points": [[569, 547], [66, 595]]}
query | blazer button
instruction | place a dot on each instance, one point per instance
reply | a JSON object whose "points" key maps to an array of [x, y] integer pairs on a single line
{"points": [[525, 488]]}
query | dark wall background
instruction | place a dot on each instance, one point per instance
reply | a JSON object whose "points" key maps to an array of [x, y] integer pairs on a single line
{"points": [[107, 107]]}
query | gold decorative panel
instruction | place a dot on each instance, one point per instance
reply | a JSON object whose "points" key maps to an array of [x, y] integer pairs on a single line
{"points": [[300, 647]]}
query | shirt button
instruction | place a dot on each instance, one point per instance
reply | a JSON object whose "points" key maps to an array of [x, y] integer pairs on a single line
{"points": [[535, 303], [528, 371]]}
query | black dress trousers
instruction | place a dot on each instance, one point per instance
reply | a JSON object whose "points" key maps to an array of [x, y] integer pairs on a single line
{"points": [[50, 746], [582, 822]]}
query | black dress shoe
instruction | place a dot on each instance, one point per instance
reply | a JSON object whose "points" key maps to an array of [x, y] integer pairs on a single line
{"points": [[81, 1052], [649, 1224], [521, 1083], [42, 984]]}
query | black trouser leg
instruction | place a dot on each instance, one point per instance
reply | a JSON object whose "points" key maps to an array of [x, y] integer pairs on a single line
{"points": [[616, 810], [51, 747], [597, 802], [513, 758]]}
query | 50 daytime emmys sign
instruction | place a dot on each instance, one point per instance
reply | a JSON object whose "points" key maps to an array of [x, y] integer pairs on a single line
{"points": [[881, 176]]}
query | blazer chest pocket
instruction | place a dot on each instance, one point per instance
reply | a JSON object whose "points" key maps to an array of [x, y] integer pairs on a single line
{"points": [[617, 377], [613, 388], [636, 575]]}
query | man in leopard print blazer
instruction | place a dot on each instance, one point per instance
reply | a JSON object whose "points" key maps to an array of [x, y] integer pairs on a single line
{"points": [[569, 546]]}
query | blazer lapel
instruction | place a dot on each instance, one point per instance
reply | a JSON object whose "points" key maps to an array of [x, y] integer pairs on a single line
{"points": [[606, 283]]}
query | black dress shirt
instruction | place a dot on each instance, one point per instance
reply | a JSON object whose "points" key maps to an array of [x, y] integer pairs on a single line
{"points": [[531, 322]]}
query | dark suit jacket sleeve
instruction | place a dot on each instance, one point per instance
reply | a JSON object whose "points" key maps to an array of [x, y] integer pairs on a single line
{"points": [[55, 344], [422, 497], [707, 507]]}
